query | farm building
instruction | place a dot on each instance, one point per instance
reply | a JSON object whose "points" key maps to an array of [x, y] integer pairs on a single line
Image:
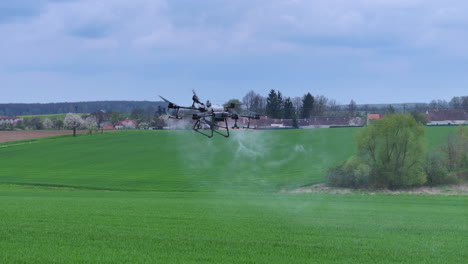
{"points": [[447, 117], [126, 124], [9, 119], [372, 117]]}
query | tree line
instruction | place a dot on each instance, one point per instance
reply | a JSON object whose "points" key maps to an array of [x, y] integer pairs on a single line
{"points": [[391, 154], [149, 116], [276, 105], [76, 107]]}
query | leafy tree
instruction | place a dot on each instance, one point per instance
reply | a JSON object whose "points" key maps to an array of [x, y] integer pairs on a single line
{"points": [[352, 108], [20, 125], [143, 125], [294, 122], [116, 116], [393, 149], [100, 117], [274, 104], [237, 105], [464, 103], [280, 100], [456, 102], [73, 121], [288, 109], [390, 110], [158, 122], [456, 150], [58, 124], [48, 124], [91, 124], [390, 155], [137, 114], [34, 123], [307, 106], [420, 117]]}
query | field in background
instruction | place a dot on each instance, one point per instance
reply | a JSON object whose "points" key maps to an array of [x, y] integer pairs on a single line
{"points": [[175, 196], [184, 160], [6, 136], [50, 116]]}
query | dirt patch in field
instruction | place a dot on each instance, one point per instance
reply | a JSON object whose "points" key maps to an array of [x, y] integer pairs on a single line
{"points": [[6, 136], [461, 189]]}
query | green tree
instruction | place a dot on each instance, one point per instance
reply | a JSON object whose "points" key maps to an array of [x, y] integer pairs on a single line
{"points": [[274, 102], [288, 109], [137, 114], [392, 147], [237, 105], [307, 106], [456, 151], [420, 117], [295, 124], [390, 110], [390, 155], [352, 108]]}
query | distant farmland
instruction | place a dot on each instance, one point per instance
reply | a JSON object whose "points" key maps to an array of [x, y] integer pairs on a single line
{"points": [[184, 160], [6, 136], [177, 197]]}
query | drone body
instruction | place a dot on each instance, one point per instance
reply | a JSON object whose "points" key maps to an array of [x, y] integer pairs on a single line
{"points": [[209, 117]]}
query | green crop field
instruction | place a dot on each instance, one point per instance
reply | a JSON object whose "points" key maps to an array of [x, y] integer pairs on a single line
{"points": [[177, 197], [51, 116]]}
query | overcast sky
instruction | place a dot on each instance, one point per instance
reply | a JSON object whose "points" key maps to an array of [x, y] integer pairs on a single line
{"points": [[372, 51]]}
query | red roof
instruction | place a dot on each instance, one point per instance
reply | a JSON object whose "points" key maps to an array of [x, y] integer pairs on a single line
{"points": [[9, 117], [373, 116], [121, 123], [441, 115]]}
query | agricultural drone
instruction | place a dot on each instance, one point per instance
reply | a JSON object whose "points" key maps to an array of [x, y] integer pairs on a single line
{"points": [[209, 118]]}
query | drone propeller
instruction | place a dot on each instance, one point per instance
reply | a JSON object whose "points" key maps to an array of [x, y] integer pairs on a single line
{"points": [[196, 99]]}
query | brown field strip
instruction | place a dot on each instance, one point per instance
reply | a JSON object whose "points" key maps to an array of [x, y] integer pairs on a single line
{"points": [[6, 136]]}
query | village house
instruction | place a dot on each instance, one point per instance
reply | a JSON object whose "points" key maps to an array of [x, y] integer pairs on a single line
{"points": [[372, 117], [447, 117], [10, 119], [126, 124]]}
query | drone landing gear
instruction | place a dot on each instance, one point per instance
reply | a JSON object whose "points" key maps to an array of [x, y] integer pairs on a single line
{"points": [[235, 125], [213, 127]]}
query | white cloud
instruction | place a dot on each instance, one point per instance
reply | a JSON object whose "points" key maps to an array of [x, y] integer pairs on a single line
{"points": [[257, 25], [384, 36]]}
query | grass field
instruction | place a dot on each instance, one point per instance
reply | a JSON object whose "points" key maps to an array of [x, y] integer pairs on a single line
{"points": [[50, 116], [176, 197]]}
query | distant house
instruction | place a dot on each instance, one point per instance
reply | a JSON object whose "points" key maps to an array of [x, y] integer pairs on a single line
{"points": [[323, 122], [447, 117], [126, 124], [108, 127], [372, 117], [9, 119]]}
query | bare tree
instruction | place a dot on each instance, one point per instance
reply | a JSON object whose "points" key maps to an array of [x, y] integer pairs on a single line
{"points": [[249, 100], [320, 105], [297, 103], [333, 106]]}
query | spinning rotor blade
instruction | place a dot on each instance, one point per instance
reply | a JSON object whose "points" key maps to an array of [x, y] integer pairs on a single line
{"points": [[195, 98], [171, 104]]}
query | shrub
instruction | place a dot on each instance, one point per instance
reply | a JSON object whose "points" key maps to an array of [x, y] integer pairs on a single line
{"points": [[351, 173], [437, 172]]}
